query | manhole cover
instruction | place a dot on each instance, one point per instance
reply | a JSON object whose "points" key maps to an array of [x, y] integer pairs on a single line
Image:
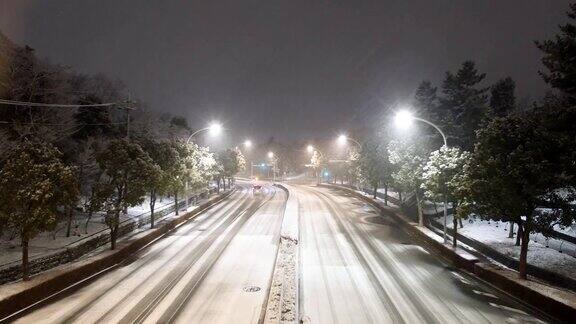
{"points": [[251, 289]]}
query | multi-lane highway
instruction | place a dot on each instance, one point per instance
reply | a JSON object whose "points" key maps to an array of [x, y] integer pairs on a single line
{"points": [[214, 269], [356, 266], [359, 267]]}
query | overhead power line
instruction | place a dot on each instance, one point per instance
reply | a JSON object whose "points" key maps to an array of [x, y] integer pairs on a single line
{"points": [[61, 124], [37, 104]]}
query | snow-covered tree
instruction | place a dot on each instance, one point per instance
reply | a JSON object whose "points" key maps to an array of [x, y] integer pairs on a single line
{"points": [[232, 162], [375, 166], [354, 170], [317, 162], [206, 163], [442, 177], [34, 183], [179, 172], [165, 157], [409, 157], [128, 171], [522, 163]]}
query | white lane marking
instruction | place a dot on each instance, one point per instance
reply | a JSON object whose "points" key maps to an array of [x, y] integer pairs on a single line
{"points": [[461, 278], [478, 292], [511, 309]]}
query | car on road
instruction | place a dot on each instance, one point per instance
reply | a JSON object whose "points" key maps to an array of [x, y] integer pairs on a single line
{"points": [[256, 189]]}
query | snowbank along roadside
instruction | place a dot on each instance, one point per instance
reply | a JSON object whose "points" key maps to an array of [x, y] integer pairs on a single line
{"points": [[282, 304]]}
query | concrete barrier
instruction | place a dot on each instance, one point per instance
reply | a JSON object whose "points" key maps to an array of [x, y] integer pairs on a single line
{"points": [[20, 295], [556, 302]]}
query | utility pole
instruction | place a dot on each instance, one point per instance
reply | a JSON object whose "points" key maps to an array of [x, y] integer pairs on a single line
{"points": [[128, 108]]}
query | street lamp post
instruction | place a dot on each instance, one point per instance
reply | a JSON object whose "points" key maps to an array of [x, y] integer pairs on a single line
{"points": [[403, 119]]}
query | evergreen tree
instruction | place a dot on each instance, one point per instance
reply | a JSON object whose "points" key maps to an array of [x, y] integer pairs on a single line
{"points": [[34, 183], [409, 157], [375, 167], [166, 157], [502, 97], [560, 57], [442, 178], [425, 101], [463, 104], [127, 173], [521, 164]]}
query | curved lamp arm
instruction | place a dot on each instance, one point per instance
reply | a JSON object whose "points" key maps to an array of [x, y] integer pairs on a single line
{"points": [[196, 132], [354, 141], [436, 127]]}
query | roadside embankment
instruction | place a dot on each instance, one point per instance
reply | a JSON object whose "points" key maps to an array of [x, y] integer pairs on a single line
{"points": [[20, 295], [282, 304], [55, 255], [554, 301]]}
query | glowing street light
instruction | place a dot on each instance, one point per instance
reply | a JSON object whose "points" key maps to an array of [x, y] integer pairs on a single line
{"points": [[215, 128], [403, 119], [310, 149], [248, 143], [270, 154], [343, 139]]}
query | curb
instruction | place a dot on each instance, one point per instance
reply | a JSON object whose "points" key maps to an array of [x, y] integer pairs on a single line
{"points": [[20, 295], [282, 303], [559, 304]]}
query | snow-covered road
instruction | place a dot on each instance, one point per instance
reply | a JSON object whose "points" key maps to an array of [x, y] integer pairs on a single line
{"points": [[355, 267], [359, 267], [215, 269]]}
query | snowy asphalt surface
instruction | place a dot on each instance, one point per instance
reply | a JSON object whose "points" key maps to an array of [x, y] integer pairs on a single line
{"points": [[205, 272], [359, 267], [355, 267]]}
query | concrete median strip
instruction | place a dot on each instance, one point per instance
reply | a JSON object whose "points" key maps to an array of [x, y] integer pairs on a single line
{"points": [[21, 295], [556, 302], [282, 304]]}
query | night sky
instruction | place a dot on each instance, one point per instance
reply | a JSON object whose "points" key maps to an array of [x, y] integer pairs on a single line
{"points": [[291, 69]]}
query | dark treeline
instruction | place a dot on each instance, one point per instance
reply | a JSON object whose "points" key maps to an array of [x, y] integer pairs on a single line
{"points": [[72, 141]]}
